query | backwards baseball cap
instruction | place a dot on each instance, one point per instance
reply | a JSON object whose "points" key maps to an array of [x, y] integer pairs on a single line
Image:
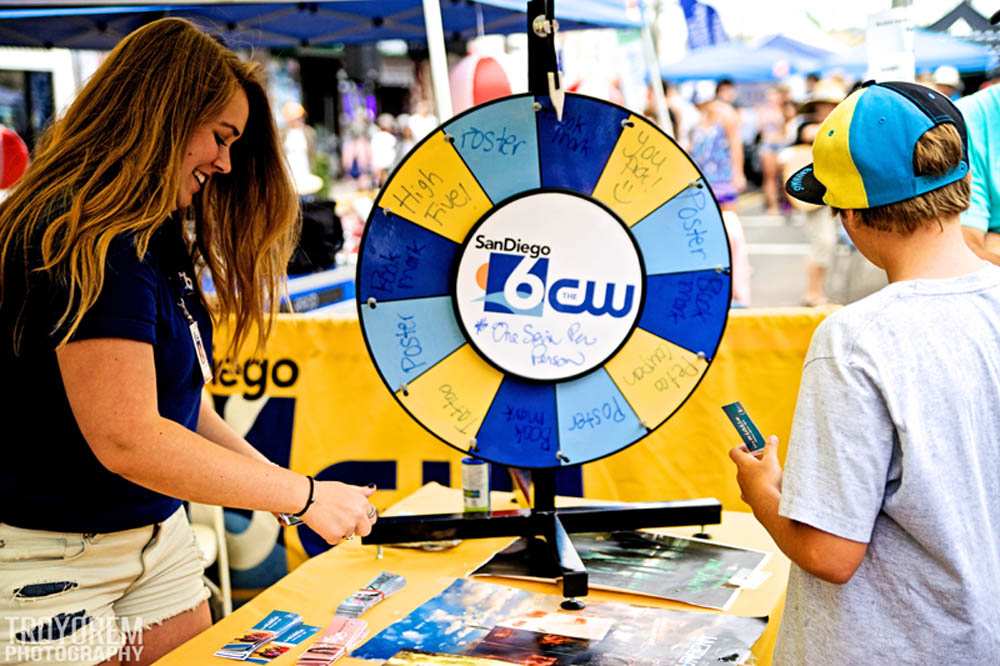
{"points": [[863, 155]]}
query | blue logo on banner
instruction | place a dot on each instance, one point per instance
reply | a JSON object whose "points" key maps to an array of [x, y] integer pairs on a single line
{"points": [[531, 289], [530, 286]]}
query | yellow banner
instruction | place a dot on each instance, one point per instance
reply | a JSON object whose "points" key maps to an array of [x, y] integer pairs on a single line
{"points": [[314, 402]]}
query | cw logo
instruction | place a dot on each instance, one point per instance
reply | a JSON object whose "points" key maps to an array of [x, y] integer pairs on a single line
{"points": [[515, 284]]}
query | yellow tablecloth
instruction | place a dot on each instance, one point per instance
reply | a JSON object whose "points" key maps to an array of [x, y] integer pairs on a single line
{"points": [[316, 588]]}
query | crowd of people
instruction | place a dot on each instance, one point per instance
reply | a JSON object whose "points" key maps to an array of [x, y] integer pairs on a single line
{"points": [[756, 142], [370, 150], [744, 138]]}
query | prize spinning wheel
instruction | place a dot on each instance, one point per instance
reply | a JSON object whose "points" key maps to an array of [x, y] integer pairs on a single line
{"points": [[542, 291]]}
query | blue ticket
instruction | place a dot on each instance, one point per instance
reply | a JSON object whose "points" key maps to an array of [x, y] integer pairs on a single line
{"points": [[745, 426]]}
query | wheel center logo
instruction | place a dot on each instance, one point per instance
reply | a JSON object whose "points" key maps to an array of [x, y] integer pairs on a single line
{"points": [[549, 286]]}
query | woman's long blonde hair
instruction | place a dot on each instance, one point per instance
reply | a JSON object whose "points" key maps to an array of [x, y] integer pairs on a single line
{"points": [[112, 165]]}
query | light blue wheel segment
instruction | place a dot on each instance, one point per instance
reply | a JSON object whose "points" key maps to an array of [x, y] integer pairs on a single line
{"points": [[688, 309], [595, 419], [401, 260], [520, 428], [499, 144], [685, 234], [409, 337]]}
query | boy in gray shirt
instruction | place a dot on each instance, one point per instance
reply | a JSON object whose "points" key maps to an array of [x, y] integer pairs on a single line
{"points": [[889, 504]]}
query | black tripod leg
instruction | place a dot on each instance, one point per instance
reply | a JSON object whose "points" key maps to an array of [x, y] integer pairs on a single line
{"points": [[574, 575]]}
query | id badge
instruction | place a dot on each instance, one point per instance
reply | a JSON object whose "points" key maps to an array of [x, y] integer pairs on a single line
{"points": [[199, 348]]}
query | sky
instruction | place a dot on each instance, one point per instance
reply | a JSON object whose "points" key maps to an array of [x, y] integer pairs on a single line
{"points": [[755, 18]]}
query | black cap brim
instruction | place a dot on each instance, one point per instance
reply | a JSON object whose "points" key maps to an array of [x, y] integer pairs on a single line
{"points": [[995, 18], [804, 186]]}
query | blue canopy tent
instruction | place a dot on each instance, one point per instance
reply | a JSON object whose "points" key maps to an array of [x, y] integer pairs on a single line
{"points": [[739, 62], [291, 24], [931, 49], [794, 48], [287, 23]]}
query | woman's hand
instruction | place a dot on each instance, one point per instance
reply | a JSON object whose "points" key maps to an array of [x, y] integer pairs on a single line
{"points": [[340, 511]]}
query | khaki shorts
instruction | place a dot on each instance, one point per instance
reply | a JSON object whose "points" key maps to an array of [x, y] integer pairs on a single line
{"points": [[821, 228], [71, 598]]}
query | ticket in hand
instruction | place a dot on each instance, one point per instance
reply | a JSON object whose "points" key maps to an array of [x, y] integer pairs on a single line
{"points": [[745, 426]]}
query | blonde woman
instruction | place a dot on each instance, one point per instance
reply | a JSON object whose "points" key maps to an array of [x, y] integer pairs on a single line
{"points": [[105, 344]]}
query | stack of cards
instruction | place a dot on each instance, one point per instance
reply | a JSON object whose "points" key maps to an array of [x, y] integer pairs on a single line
{"points": [[342, 635], [282, 643], [277, 622], [381, 587]]}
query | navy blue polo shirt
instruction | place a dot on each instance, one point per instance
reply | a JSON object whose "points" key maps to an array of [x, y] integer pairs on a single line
{"points": [[49, 477]]}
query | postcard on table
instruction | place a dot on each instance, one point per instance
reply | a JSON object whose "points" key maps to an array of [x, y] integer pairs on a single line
{"points": [[274, 623], [282, 643]]}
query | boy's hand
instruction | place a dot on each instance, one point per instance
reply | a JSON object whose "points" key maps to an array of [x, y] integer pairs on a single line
{"points": [[759, 474]]}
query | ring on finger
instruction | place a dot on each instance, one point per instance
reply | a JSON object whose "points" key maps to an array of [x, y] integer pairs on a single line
{"points": [[372, 512]]}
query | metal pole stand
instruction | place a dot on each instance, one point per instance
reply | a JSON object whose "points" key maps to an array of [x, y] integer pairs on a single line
{"points": [[553, 525]]}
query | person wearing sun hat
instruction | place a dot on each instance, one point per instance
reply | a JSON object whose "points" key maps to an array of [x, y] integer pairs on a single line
{"points": [[820, 225], [890, 497], [825, 96], [947, 80], [981, 223]]}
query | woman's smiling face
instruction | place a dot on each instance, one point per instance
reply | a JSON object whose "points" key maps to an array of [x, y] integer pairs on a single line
{"points": [[207, 153]]}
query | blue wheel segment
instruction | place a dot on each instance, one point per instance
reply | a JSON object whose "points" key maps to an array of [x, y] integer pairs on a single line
{"points": [[595, 419], [684, 234], [688, 309], [499, 144], [409, 337], [573, 152], [520, 428], [401, 260]]}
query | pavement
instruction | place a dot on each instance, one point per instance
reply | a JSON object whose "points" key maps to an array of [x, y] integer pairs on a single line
{"points": [[779, 249]]}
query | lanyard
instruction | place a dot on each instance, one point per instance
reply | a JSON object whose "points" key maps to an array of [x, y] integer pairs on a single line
{"points": [[199, 344]]}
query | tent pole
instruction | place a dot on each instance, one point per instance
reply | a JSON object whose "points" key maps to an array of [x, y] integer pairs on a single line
{"points": [[652, 59], [439, 59]]}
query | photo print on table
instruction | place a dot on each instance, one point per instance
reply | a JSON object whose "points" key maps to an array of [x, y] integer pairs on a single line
{"points": [[691, 571], [464, 615]]}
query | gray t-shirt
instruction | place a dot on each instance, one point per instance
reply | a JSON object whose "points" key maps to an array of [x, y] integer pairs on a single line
{"points": [[896, 443]]}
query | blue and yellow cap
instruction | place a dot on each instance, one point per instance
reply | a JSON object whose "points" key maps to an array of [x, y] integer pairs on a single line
{"points": [[864, 151]]}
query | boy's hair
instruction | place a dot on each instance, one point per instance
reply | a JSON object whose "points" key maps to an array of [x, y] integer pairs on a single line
{"points": [[939, 151]]}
